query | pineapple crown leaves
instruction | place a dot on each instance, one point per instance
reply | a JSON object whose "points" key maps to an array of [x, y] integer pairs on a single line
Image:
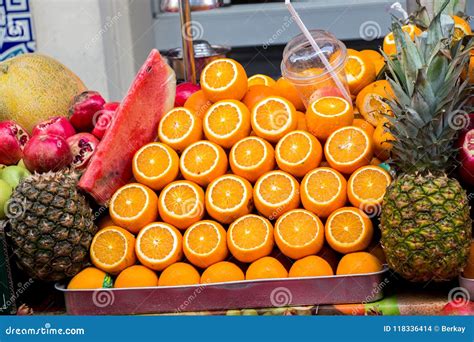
{"points": [[429, 95], [421, 18]]}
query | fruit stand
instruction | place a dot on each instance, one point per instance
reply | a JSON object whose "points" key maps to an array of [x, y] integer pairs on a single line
{"points": [[343, 187]]}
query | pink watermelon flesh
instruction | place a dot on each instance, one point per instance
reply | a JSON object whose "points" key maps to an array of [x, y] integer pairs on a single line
{"points": [[150, 96]]}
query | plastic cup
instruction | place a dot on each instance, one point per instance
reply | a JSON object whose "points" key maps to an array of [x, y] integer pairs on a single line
{"points": [[302, 66]]}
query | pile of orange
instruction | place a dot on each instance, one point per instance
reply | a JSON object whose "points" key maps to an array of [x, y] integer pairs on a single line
{"points": [[239, 178]]}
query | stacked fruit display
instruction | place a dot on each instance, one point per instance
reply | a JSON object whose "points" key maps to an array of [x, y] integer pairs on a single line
{"points": [[238, 170], [240, 181]]}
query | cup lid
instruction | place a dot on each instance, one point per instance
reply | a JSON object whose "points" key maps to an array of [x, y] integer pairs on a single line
{"points": [[299, 57]]}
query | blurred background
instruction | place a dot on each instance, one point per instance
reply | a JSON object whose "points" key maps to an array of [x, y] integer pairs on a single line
{"points": [[106, 41]]}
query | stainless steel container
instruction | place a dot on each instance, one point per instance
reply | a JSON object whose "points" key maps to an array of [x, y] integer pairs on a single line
{"points": [[266, 293], [204, 53], [196, 5]]}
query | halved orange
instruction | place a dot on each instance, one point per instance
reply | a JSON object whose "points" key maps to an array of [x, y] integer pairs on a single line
{"points": [[181, 204], [159, 245], [389, 46], [251, 157], [461, 28], [360, 71], [226, 122], [298, 152], [348, 148], [224, 79], [202, 162], [228, 198], [133, 206], [366, 188], [348, 230], [327, 114], [323, 190], [299, 233], [376, 58], [155, 165], [198, 104], [260, 79], [205, 243], [113, 249], [257, 93], [287, 90], [273, 117], [275, 193], [250, 237], [179, 128]]}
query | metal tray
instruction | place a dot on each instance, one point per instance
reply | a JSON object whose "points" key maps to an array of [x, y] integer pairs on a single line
{"points": [[344, 289]]}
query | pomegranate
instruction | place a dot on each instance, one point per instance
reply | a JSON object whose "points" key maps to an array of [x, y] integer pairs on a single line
{"points": [[102, 121], [47, 152], [458, 307], [466, 156], [13, 139], [111, 106], [83, 146], [183, 91], [55, 126], [83, 109]]}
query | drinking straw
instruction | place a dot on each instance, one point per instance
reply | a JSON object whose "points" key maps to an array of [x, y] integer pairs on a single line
{"points": [[316, 48]]}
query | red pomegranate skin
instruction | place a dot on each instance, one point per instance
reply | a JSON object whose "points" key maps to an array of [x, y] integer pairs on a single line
{"points": [[102, 122], [13, 139], [111, 106], [466, 156], [82, 146], [183, 92], [84, 108], [55, 126], [46, 152]]}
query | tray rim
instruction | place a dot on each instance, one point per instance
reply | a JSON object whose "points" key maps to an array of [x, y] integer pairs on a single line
{"points": [[60, 286]]}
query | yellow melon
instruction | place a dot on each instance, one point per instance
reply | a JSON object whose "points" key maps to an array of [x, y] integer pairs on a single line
{"points": [[34, 88]]}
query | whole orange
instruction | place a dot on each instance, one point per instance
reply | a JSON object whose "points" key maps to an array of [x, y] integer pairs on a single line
{"points": [[136, 276], [256, 93]]}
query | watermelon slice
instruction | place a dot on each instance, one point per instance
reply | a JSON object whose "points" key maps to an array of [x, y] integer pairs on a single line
{"points": [[150, 96]]}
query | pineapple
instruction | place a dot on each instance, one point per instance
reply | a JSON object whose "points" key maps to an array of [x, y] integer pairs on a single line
{"points": [[52, 226], [425, 221]]}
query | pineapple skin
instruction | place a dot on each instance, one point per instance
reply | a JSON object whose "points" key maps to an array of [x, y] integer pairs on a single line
{"points": [[426, 227], [52, 236]]}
